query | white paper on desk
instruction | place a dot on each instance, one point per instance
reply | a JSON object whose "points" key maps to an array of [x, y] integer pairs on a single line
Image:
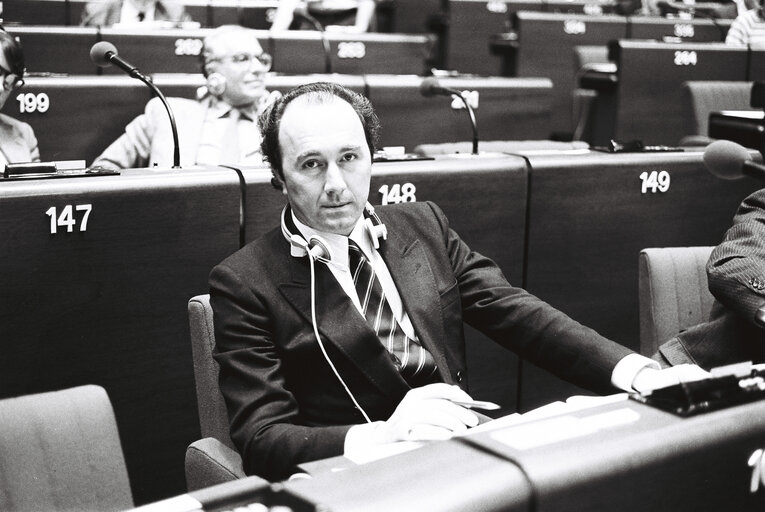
{"points": [[572, 403], [371, 453]]}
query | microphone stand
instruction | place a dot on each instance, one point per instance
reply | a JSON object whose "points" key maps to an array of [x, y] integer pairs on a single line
{"points": [[176, 144], [134, 73], [473, 123]]}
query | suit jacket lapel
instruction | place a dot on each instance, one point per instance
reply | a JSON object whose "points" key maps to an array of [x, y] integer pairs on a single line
{"points": [[340, 323], [415, 281]]}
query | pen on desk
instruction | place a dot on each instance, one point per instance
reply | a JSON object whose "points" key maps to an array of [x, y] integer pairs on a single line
{"points": [[476, 404]]}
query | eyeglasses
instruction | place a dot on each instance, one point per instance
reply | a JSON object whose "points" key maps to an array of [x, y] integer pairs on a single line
{"points": [[246, 58], [10, 80]]}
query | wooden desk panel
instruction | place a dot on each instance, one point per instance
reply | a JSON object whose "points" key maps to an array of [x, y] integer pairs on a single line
{"points": [[36, 12], [302, 52], [589, 219], [649, 94], [695, 29], [57, 49], [507, 109], [106, 303], [83, 115], [547, 44]]}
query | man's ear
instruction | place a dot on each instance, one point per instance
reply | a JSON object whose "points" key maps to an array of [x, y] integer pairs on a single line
{"points": [[277, 183]]}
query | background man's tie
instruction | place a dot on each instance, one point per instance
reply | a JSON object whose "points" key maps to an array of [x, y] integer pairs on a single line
{"points": [[229, 153], [414, 363]]}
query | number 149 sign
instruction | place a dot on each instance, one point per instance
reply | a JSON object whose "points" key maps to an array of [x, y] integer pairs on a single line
{"points": [[654, 181]]}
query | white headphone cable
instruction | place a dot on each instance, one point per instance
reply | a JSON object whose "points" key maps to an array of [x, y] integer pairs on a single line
{"points": [[321, 344]]}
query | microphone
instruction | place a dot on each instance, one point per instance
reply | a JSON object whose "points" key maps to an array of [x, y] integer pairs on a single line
{"points": [[430, 87], [730, 161], [104, 54]]}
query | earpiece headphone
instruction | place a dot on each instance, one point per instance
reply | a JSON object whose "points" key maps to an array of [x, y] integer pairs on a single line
{"points": [[216, 84], [316, 249]]}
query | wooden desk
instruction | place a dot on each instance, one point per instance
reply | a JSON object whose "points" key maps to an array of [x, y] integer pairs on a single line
{"points": [[589, 218], [106, 303], [546, 49], [686, 30], [103, 105], [209, 13], [302, 51], [650, 76], [505, 109], [472, 23]]}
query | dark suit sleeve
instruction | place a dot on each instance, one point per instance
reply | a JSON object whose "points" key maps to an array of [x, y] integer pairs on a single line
{"points": [[736, 267], [262, 411], [527, 325]]}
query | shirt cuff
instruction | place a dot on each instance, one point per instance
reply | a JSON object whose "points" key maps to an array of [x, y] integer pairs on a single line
{"points": [[627, 369], [360, 437]]}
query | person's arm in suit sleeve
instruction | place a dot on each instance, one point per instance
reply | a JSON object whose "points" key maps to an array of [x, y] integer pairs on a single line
{"points": [[133, 148], [736, 267], [262, 411], [543, 335]]}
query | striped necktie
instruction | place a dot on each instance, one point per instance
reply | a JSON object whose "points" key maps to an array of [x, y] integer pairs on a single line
{"points": [[415, 364]]}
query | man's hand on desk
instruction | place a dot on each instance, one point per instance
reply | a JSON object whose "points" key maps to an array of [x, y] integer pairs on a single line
{"points": [[425, 414], [649, 379]]}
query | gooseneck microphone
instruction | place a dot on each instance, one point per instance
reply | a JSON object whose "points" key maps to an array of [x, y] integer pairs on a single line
{"points": [[729, 161], [104, 54], [430, 87]]}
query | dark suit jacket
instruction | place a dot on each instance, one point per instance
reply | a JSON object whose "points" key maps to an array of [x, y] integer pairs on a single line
{"points": [[97, 14], [736, 275], [284, 403]]}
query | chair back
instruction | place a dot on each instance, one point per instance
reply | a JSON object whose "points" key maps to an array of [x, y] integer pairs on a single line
{"points": [[213, 417], [702, 97], [61, 451], [673, 293]]}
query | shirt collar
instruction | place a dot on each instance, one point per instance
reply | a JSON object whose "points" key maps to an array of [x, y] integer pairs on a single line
{"points": [[337, 244], [218, 108]]}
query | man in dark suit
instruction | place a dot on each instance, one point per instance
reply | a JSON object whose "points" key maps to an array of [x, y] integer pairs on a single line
{"points": [[343, 328], [735, 331]]}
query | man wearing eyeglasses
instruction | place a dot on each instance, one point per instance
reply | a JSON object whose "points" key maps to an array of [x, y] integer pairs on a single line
{"points": [[220, 127], [18, 143]]}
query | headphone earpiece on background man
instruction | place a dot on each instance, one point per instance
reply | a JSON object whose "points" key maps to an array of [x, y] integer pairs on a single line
{"points": [[216, 84]]}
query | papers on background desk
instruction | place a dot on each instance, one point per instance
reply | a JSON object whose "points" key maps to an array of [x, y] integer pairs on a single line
{"points": [[573, 403]]}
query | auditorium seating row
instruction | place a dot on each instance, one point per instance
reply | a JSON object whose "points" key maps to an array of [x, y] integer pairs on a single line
{"points": [[77, 117], [208, 13], [49, 49], [642, 98], [97, 270], [544, 44], [403, 16]]}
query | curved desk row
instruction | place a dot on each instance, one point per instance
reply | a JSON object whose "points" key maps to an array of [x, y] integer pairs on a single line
{"points": [[97, 271], [67, 49], [77, 117]]}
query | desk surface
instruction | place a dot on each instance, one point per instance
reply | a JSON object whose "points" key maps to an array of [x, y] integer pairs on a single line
{"points": [[618, 456]]}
